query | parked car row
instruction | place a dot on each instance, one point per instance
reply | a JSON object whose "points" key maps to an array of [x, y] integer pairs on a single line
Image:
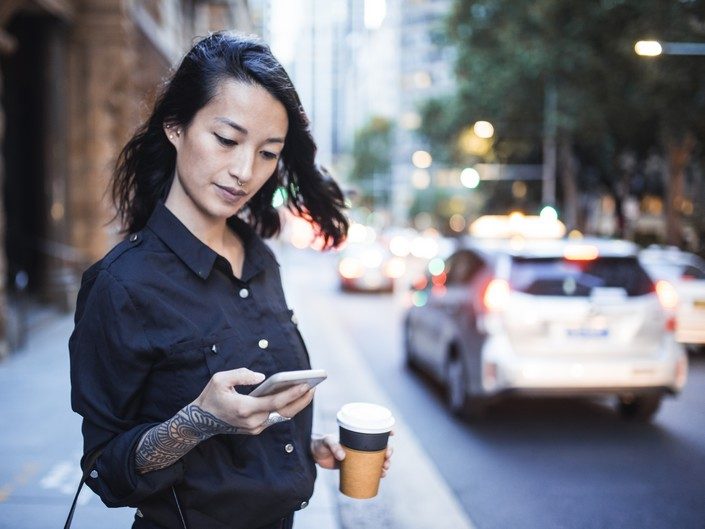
{"points": [[368, 266], [374, 262]]}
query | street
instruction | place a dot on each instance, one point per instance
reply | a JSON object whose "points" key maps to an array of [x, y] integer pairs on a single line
{"points": [[538, 464]]}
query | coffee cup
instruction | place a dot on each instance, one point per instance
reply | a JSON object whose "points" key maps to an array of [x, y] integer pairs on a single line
{"points": [[364, 433]]}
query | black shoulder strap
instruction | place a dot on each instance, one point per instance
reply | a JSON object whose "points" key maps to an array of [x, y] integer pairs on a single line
{"points": [[89, 467]]}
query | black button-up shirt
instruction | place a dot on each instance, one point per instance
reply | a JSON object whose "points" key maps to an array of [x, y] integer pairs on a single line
{"points": [[155, 319]]}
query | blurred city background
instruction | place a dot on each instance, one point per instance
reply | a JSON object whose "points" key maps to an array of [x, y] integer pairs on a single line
{"points": [[526, 187]]}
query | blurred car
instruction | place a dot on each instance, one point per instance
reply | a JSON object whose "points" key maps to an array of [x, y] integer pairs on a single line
{"points": [[366, 266], [546, 318], [686, 272]]}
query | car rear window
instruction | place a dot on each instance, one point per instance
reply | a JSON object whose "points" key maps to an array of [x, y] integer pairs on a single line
{"points": [[556, 276]]}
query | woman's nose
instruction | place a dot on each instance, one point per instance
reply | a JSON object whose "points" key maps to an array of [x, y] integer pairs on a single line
{"points": [[242, 166]]}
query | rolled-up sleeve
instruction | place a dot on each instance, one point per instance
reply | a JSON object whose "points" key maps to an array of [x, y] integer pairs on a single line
{"points": [[111, 358]]}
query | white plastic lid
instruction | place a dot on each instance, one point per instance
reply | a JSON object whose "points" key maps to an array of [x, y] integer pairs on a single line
{"points": [[364, 417]]}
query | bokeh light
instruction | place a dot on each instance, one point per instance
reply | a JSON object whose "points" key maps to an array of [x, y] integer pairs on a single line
{"points": [[421, 159]]}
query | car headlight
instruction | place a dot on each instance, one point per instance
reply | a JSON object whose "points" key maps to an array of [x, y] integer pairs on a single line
{"points": [[350, 268]]}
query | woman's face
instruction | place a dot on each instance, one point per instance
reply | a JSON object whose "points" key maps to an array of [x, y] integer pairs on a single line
{"points": [[229, 150]]}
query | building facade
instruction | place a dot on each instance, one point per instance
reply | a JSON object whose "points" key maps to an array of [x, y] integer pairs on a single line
{"points": [[358, 59], [426, 71], [76, 79]]}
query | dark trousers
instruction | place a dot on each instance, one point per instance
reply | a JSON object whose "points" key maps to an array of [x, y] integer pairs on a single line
{"points": [[286, 523]]}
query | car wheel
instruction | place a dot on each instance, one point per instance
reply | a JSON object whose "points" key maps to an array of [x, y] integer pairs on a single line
{"points": [[409, 360], [640, 407], [459, 402], [695, 348], [455, 386]]}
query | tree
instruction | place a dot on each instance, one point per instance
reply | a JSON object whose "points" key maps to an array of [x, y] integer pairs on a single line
{"points": [[371, 165], [566, 70]]}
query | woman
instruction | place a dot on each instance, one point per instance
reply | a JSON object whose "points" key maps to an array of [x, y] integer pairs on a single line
{"points": [[177, 322]]}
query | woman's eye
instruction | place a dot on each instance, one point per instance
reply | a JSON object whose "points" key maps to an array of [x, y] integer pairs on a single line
{"points": [[269, 155], [225, 141]]}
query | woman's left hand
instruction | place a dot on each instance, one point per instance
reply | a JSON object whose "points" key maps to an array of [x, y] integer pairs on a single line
{"points": [[328, 453]]}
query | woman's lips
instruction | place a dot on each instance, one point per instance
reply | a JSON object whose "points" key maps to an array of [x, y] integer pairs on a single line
{"points": [[230, 193]]}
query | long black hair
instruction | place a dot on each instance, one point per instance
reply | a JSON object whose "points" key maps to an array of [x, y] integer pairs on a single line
{"points": [[145, 166]]}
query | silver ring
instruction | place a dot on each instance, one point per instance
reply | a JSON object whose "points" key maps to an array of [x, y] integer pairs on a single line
{"points": [[275, 418], [239, 182]]}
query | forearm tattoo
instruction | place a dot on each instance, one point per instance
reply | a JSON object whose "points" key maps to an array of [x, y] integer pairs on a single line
{"points": [[167, 442]]}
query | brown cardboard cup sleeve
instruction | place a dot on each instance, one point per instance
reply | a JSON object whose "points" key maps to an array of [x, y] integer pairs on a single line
{"points": [[360, 473]]}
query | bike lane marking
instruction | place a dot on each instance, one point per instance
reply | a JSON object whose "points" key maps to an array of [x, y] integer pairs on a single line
{"points": [[20, 479]]}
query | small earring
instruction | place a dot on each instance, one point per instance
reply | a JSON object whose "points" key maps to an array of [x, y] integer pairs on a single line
{"points": [[171, 136]]}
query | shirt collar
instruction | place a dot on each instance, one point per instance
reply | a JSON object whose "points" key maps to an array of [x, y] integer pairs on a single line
{"points": [[199, 257]]}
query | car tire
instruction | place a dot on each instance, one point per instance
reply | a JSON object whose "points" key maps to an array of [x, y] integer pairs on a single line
{"points": [[459, 403], [409, 360], [695, 349], [639, 407]]}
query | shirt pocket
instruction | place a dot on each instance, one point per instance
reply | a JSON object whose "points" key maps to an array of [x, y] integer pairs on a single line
{"points": [[190, 364], [233, 351], [288, 324]]}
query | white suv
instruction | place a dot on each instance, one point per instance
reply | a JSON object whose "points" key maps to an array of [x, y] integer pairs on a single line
{"points": [[559, 317], [686, 273]]}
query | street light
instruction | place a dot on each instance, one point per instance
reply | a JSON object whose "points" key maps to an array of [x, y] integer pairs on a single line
{"points": [[654, 48], [483, 129]]}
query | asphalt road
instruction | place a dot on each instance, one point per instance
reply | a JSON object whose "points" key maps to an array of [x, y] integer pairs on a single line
{"points": [[540, 464]]}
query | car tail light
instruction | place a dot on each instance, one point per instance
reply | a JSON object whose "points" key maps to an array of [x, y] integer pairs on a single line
{"points": [[671, 324], [681, 372], [496, 295], [420, 283], [667, 294]]}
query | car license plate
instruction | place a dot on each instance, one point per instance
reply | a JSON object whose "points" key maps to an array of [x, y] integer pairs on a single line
{"points": [[587, 332], [372, 281], [699, 304]]}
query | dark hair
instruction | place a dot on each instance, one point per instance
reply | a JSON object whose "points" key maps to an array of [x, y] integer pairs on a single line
{"points": [[145, 166]]}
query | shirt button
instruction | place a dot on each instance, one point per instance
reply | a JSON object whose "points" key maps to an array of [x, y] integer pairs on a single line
{"points": [[289, 448], [263, 344], [134, 237], [304, 504], [294, 319], [94, 473], [244, 293], [214, 349]]}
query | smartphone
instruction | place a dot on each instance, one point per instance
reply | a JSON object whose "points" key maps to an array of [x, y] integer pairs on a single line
{"points": [[287, 379]]}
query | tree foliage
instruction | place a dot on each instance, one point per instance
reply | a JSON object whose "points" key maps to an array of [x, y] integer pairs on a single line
{"points": [[371, 163], [609, 100]]}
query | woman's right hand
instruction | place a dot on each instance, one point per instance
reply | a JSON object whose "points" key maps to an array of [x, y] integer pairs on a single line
{"points": [[249, 414]]}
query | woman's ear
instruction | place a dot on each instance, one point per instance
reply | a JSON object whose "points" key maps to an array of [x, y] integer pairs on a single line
{"points": [[173, 133]]}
